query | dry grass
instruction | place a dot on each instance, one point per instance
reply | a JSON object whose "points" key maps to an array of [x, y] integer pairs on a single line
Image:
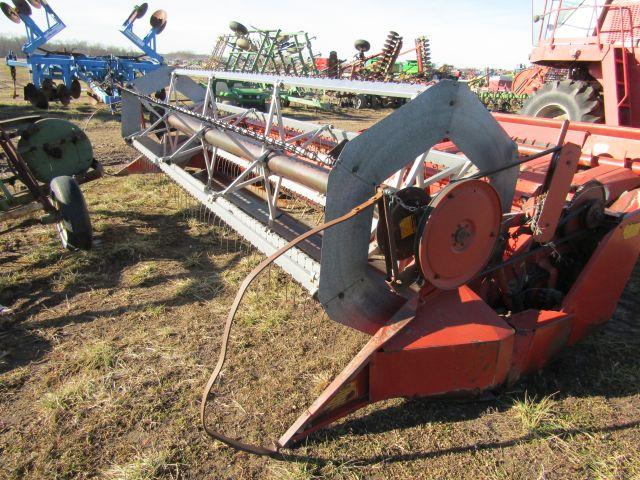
{"points": [[102, 367]]}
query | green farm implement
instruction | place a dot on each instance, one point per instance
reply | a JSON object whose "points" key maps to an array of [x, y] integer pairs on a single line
{"points": [[42, 164]]}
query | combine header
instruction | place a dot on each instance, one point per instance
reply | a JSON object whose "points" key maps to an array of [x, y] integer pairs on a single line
{"points": [[57, 76], [470, 248]]}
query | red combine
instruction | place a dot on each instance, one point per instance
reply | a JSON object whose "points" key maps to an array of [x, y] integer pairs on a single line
{"points": [[593, 47]]}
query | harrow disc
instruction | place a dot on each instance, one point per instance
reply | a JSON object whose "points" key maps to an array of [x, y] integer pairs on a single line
{"points": [[22, 7], [63, 94], [243, 44], [238, 28], [76, 88], [10, 12], [36, 3], [141, 10], [362, 45], [460, 233], [158, 21], [48, 88]]}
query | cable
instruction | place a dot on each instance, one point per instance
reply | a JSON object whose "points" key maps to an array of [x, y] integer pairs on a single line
{"points": [[530, 158], [238, 445]]}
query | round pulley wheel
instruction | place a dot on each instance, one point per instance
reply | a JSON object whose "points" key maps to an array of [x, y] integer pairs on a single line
{"points": [[76, 88], [10, 12], [22, 7], [64, 95], [362, 45], [586, 208], [238, 28], [460, 233], [54, 147], [158, 21]]}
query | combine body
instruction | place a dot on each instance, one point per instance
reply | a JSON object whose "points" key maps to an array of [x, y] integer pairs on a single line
{"points": [[471, 248], [595, 45]]}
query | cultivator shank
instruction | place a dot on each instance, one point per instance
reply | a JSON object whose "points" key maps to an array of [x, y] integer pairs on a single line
{"points": [[470, 248]]}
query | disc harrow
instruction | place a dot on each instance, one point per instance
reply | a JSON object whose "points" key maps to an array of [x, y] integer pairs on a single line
{"points": [[56, 76]]}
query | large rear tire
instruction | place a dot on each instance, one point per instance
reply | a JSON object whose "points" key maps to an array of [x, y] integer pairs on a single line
{"points": [[74, 226], [577, 101]]}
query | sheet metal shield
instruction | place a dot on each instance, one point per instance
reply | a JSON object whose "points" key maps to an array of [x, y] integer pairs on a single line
{"points": [[351, 292]]}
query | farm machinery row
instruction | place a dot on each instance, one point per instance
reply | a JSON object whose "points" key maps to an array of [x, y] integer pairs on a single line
{"points": [[58, 76], [468, 247], [276, 52], [291, 53]]}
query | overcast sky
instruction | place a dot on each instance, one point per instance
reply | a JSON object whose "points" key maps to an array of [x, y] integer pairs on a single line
{"points": [[462, 32]]}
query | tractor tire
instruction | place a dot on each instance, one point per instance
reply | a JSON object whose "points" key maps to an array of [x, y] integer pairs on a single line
{"points": [[577, 101], [74, 226]]}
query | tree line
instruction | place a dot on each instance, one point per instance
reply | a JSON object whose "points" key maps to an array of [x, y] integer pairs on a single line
{"points": [[14, 43]]}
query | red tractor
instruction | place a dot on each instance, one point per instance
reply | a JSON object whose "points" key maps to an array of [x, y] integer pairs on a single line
{"points": [[587, 62]]}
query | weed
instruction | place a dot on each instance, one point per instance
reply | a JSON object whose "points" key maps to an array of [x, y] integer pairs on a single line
{"points": [[201, 288], [65, 279], [9, 280], [153, 312], [536, 415], [193, 259]]}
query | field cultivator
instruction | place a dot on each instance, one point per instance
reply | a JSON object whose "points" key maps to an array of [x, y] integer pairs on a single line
{"points": [[470, 248], [262, 51], [57, 76], [276, 52], [42, 165]]}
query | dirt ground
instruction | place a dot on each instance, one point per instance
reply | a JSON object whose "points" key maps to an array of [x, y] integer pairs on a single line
{"points": [[103, 363]]}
